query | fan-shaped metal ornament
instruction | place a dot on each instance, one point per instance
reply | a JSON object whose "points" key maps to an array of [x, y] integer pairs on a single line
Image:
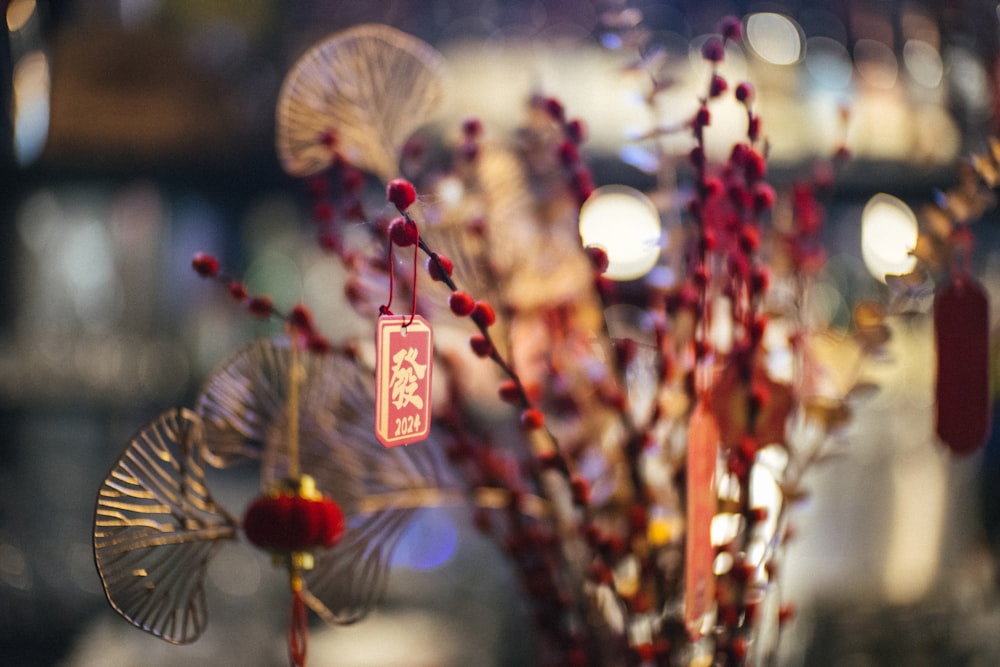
{"points": [[244, 408], [366, 90], [156, 526]]}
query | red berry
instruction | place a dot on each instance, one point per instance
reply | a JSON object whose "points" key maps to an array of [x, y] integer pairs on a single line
{"points": [[763, 197], [318, 186], [301, 319], [461, 303], [759, 280], [261, 306], [645, 652], [403, 232], [483, 314], [414, 149], [330, 242], [555, 109], [576, 130], [756, 166], [713, 50], [508, 392], [440, 269], [581, 490], [740, 648], [786, 613], [598, 257], [480, 345], [328, 138], [738, 156], [352, 179], [744, 92], [731, 28], [569, 154], [749, 239], [717, 86], [472, 128], [323, 211], [205, 265], [237, 290], [582, 183], [318, 344], [702, 118], [400, 193], [532, 419], [469, 150]]}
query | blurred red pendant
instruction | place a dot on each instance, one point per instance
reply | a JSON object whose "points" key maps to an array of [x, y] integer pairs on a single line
{"points": [[961, 325], [702, 503], [403, 360]]}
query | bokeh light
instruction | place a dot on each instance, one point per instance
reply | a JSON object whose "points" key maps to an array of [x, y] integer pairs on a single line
{"points": [[876, 63], [774, 37], [429, 541], [923, 62], [19, 12], [888, 235], [31, 83], [626, 224]]}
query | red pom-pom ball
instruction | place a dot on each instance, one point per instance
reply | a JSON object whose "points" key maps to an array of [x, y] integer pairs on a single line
{"points": [[400, 193]]}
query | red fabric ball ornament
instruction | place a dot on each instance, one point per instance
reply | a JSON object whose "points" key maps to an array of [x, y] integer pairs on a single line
{"points": [[598, 257], [472, 128], [576, 131], [483, 314], [508, 392], [717, 86], [461, 303], [293, 518], [237, 290], [532, 419], [713, 50], [403, 232], [731, 28], [205, 265], [261, 306], [744, 92], [480, 345], [400, 193], [440, 269]]}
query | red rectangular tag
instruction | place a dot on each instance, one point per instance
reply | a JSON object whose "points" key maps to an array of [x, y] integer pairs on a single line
{"points": [[702, 505], [404, 358]]}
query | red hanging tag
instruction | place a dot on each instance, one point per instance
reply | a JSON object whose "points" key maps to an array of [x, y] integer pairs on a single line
{"points": [[961, 326], [403, 362], [702, 504]]}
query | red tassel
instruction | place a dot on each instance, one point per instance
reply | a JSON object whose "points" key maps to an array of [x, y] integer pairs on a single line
{"points": [[298, 629], [961, 324]]}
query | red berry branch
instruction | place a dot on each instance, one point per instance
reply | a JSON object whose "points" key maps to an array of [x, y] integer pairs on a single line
{"points": [[298, 321], [401, 194]]}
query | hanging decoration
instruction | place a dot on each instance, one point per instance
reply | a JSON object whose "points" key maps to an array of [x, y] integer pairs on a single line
{"points": [[626, 497]]}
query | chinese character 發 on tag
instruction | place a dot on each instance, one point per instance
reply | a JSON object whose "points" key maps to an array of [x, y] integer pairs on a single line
{"points": [[403, 360]]}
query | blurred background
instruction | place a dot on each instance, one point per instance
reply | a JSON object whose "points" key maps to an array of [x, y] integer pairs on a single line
{"points": [[136, 132]]}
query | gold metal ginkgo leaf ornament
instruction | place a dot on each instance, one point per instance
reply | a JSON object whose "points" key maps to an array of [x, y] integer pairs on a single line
{"points": [[361, 93], [156, 525]]}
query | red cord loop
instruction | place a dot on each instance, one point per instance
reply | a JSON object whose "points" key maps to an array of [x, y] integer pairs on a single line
{"points": [[384, 310]]}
